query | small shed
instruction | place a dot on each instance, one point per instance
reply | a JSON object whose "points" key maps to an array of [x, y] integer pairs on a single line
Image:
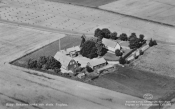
{"points": [[67, 62], [111, 45], [97, 63]]}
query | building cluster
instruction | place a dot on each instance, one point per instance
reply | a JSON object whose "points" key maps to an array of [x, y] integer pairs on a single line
{"points": [[71, 59]]}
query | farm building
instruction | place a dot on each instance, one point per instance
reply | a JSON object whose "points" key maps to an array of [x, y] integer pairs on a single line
{"points": [[82, 60], [97, 63], [111, 45], [67, 62], [73, 51]]}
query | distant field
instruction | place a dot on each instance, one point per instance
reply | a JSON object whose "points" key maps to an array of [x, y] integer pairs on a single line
{"points": [[162, 11], [159, 59], [90, 3]]}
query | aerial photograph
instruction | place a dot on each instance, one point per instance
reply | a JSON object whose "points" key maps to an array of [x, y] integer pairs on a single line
{"points": [[87, 54]]}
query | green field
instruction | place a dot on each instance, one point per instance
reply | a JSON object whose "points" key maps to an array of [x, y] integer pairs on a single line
{"points": [[89, 3]]}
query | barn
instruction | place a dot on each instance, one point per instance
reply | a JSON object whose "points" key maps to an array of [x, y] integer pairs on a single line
{"points": [[96, 63], [111, 45], [67, 62]]}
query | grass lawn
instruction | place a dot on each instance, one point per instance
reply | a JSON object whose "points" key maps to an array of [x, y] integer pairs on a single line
{"points": [[137, 83], [90, 3], [111, 57]]}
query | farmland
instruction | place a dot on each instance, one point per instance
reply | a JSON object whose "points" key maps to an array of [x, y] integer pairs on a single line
{"points": [[162, 11], [78, 19], [33, 28], [125, 80], [159, 59], [89, 3]]}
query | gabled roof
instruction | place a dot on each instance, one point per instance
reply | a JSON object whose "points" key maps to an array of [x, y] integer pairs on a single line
{"points": [[97, 61], [63, 58], [109, 43]]}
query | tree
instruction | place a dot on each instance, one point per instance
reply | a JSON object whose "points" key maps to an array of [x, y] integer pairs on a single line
{"points": [[154, 42], [123, 37], [113, 35], [134, 43], [132, 36], [83, 37], [141, 37], [122, 60], [97, 32], [106, 33], [88, 49], [101, 50], [151, 43], [118, 53]]}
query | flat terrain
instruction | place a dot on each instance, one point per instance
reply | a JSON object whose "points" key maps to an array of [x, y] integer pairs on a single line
{"points": [[125, 80], [89, 3], [24, 86], [78, 19], [137, 83], [20, 85], [159, 59], [162, 11]]}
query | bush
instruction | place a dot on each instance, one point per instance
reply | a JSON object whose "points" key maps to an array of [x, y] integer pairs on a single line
{"points": [[42, 60], [52, 63], [118, 53], [123, 37], [57, 70], [32, 63], [89, 69]]}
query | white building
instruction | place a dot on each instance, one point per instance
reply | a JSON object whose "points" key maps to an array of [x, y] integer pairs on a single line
{"points": [[67, 63], [111, 45], [96, 63]]}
